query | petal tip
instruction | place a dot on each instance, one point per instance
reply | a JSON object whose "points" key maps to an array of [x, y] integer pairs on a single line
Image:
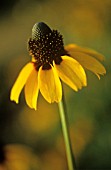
{"points": [[35, 108], [58, 100], [32, 107], [16, 101], [85, 84]]}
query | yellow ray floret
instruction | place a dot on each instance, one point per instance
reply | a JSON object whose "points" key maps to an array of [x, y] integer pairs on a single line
{"points": [[72, 73], [76, 48], [89, 63], [32, 89], [50, 85], [20, 82], [87, 58]]}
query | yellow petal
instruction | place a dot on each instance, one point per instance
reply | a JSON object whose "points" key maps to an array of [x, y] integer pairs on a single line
{"points": [[75, 48], [20, 82], [50, 85], [32, 89], [72, 73], [89, 63]]}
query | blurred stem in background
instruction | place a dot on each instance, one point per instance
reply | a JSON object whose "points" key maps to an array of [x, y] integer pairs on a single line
{"points": [[64, 123]]}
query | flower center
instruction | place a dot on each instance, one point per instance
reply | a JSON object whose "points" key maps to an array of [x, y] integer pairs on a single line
{"points": [[45, 46]]}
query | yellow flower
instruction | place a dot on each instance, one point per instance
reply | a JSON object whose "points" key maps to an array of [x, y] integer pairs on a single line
{"points": [[51, 61]]}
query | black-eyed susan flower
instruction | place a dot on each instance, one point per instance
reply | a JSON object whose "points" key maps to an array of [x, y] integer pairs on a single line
{"points": [[51, 61]]}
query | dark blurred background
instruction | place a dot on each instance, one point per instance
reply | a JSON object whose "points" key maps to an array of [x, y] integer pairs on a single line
{"points": [[86, 23]]}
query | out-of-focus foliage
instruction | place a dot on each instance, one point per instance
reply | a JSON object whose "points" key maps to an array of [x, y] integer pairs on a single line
{"points": [[86, 23], [19, 157]]}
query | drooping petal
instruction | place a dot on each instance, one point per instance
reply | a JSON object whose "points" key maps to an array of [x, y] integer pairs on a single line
{"points": [[20, 82], [72, 73], [75, 48], [89, 63], [50, 85], [32, 89]]}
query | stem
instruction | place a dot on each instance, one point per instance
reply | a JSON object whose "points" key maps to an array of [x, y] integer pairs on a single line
{"points": [[69, 153]]}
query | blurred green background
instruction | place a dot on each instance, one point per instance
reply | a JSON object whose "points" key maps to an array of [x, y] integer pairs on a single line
{"points": [[86, 23]]}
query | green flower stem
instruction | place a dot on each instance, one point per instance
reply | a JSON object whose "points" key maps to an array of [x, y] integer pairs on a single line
{"points": [[64, 122]]}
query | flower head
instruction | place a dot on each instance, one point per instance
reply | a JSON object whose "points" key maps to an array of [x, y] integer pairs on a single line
{"points": [[51, 61]]}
